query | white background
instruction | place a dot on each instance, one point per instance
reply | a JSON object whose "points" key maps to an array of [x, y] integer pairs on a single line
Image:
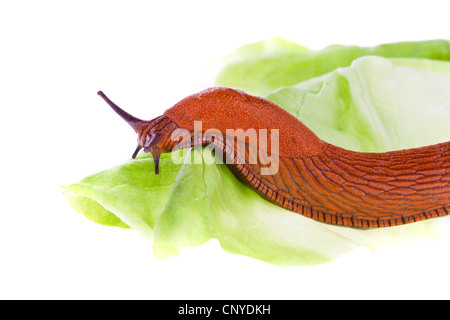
{"points": [[147, 55]]}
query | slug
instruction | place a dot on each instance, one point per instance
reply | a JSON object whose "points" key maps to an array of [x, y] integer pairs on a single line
{"points": [[311, 177]]}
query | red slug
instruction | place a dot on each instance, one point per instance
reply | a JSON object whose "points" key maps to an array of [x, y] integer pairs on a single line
{"points": [[311, 177]]}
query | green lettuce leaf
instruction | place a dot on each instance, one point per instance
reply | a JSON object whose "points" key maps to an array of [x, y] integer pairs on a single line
{"points": [[129, 195], [376, 105], [262, 67], [373, 105]]}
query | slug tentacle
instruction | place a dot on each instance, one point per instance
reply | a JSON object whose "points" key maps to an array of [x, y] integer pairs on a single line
{"points": [[135, 153], [153, 135], [134, 122]]}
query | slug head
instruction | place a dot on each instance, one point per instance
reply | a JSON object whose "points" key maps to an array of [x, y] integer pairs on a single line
{"points": [[153, 135]]}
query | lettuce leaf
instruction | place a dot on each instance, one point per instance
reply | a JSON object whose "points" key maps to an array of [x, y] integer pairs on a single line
{"points": [[373, 105], [128, 196], [376, 105], [262, 67]]}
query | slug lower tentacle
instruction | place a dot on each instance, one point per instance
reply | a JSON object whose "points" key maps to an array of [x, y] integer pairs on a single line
{"points": [[311, 177]]}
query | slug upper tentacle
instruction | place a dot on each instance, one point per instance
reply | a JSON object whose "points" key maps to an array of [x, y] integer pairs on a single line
{"points": [[310, 177]]}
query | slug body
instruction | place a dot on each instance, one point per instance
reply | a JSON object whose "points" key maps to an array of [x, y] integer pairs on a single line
{"points": [[312, 177]]}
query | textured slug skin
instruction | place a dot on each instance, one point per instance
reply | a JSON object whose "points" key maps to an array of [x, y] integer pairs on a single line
{"points": [[312, 177], [322, 181]]}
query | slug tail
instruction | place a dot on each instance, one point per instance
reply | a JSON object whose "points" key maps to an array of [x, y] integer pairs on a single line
{"points": [[361, 190]]}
